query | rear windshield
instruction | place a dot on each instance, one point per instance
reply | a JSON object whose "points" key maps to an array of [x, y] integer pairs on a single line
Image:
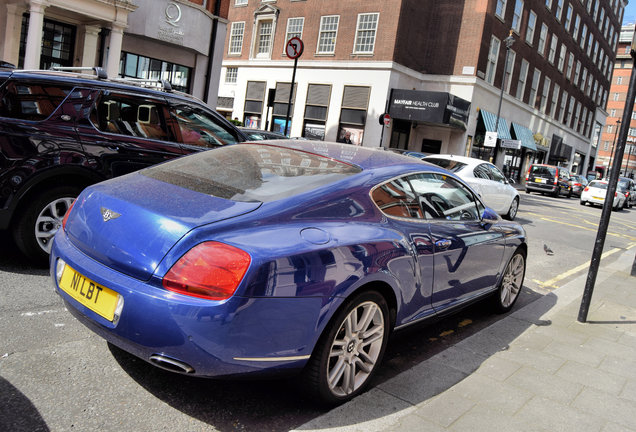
{"points": [[598, 185], [251, 172], [543, 171], [449, 164]]}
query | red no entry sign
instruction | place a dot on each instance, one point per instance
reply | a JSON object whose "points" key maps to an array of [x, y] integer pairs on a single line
{"points": [[294, 48]]}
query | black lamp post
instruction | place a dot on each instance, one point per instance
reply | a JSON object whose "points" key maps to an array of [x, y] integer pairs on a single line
{"points": [[609, 163], [508, 42]]}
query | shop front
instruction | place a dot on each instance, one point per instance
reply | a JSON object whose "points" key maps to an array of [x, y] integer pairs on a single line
{"points": [[432, 110]]}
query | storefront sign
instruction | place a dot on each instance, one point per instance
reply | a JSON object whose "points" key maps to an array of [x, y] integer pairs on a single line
{"points": [[430, 107], [510, 144], [490, 139], [172, 32]]}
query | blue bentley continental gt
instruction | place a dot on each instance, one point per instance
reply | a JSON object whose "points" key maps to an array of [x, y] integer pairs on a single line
{"points": [[280, 256]]}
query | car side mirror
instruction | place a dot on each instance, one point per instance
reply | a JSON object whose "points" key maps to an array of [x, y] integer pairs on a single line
{"points": [[489, 216], [510, 180]]}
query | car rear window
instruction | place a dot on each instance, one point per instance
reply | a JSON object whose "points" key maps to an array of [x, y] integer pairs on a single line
{"points": [[598, 185], [543, 171], [449, 164], [252, 172]]}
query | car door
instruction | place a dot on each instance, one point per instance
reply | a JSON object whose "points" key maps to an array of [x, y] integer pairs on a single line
{"points": [[125, 132], [492, 187], [467, 253]]}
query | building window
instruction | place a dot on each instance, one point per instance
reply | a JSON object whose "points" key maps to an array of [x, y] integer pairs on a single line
{"points": [[561, 62], [500, 8], [545, 94], [523, 76], [548, 4], [559, 10], [534, 87], [493, 56], [509, 69], [555, 100], [568, 114], [240, 2], [365, 33], [316, 107], [568, 73], [553, 47], [328, 34], [254, 95], [231, 74], [516, 17], [583, 36], [294, 28], [583, 79], [264, 39], [577, 25], [616, 96], [564, 100], [236, 38], [58, 42], [281, 102], [532, 24], [568, 18], [543, 35], [353, 114], [137, 66], [577, 72]]}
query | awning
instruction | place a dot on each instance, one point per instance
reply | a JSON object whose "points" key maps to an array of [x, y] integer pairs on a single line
{"points": [[490, 120], [525, 135]]}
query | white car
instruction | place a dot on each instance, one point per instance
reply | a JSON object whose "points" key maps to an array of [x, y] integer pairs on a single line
{"points": [[595, 192], [485, 179]]}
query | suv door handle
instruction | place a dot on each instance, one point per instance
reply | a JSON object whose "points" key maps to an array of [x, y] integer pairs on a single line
{"points": [[442, 244]]}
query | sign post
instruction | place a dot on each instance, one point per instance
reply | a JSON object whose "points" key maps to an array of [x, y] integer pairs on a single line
{"points": [[293, 49]]}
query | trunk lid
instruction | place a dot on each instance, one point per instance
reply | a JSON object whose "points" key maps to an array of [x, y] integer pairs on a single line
{"points": [[129, 226]]}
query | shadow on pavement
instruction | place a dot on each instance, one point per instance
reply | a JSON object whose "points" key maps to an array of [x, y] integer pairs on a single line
{"points": [[282, 404], [12, 261], [17, 413]]}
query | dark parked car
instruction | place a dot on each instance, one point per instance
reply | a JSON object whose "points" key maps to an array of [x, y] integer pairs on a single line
{"points": [[577, 184], [627, 187], [262, 258], [61, 131], [548, 179], [260, 135]]}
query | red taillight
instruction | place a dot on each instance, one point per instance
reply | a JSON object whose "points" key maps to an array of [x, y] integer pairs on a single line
{"points": [[209, 270], [68, 212], [586, 189]]}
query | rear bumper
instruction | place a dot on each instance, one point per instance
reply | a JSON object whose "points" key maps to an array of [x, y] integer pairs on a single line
{"points": [[216, 338], [541, 187]]}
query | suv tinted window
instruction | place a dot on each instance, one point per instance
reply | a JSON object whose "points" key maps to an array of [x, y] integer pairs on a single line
{"points": [[543, 171], [132, 116], [31, 101], [199, 128]]}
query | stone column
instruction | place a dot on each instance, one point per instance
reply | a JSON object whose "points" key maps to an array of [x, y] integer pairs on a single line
{"points": [[114, 50], [91, 45], [34, 34], [10, 48]]}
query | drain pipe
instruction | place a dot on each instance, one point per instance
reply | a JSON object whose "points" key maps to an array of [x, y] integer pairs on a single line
{"points": [[208, 76]]}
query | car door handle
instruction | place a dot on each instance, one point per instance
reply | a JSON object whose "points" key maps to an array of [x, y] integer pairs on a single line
{"points": [[442, 244]]}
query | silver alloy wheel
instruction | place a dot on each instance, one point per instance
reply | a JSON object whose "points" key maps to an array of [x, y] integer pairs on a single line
{"points": [[512, 280], [355, 349], [49, 221], [512, 213]]}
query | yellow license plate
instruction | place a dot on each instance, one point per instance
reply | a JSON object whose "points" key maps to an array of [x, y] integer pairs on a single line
{"points": [[97, 298], [539, 180]]}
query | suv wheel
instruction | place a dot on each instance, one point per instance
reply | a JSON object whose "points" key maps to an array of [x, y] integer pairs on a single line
{"points": [[41, 219]]}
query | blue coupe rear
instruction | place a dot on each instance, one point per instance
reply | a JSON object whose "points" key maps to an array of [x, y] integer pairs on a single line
{"points": [[290, 256]]}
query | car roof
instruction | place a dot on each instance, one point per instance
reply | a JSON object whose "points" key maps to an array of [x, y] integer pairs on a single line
{"points": [[150, 87], [463, 159]]}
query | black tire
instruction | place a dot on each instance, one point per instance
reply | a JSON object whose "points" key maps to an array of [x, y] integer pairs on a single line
{"points": [[582, 202], [527, 191], [514, 208], [355, 351], [511, 283], [44, 214]]}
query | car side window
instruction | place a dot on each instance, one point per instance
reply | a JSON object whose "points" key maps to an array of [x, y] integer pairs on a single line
{"points": [[482, 171], [199, 128], [31, 101], [495, 174], [125, 115], [396, 198], [443, 197]]}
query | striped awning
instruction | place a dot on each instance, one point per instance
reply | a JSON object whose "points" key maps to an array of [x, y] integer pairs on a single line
{"points": [[524, 135], [490, 120]]}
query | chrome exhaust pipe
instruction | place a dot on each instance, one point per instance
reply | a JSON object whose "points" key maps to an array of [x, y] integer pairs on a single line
{"points": [[171, 364]]}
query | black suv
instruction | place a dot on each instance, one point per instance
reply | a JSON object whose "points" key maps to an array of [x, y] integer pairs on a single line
{"points": [[548, 179], [61, 131]]}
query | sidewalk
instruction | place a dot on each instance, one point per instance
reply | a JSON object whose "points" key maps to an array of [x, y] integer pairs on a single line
{"points": [[538, 369]]}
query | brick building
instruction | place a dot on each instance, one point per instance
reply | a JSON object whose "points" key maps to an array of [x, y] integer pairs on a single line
{"points": [[436, 66], [177, 40], [615, 105]]}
